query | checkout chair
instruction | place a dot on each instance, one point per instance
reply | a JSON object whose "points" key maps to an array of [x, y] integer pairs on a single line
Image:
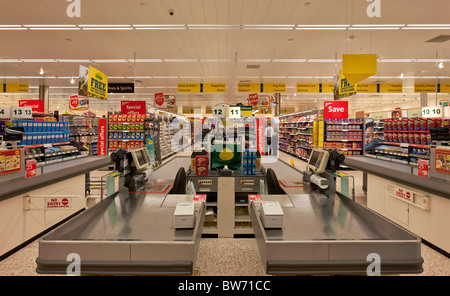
{"points": [[273, 186], [179, 184]]}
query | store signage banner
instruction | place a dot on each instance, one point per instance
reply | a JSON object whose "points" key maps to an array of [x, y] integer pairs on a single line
{"points": [[14, 88], [121, 88], [37, 106], [102, 137], [133, 107], [432, 88], [163, 101], [249, 87], [93, 83], [442, 161], [344, 88], [335, 110], [262, 87], [357, 67], [78, 103], [260, 101], [260, 135], [202, 87], [10, 161]]}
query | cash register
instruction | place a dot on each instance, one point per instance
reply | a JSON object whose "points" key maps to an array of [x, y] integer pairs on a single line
{"points": [[321, 163], [136, 165]]}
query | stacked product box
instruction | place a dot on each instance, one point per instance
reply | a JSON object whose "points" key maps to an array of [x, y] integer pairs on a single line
{"points": [[201, 165], [249, 162], [43, 132], [412, 131]]}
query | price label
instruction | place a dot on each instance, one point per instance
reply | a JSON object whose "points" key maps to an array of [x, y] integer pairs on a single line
{"points": [[219, 111], [21, 112], [432, 112], [5, 112], [234, 112]]}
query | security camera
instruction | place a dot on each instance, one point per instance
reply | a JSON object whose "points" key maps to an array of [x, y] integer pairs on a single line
{"points": [[171, 12]]}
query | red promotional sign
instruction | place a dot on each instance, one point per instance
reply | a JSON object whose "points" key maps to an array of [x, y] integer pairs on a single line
{"points": [[159, 99], [37, 106], [423, 167], [78, 103], [102, 137], [200, 198], [260, 135], [336, 110], [133, 107], [253, 99], [31, 168], [10, 161]]}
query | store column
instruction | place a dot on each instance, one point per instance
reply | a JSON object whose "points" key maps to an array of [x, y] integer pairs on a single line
{"points": [[44, 96], [424, 100]]}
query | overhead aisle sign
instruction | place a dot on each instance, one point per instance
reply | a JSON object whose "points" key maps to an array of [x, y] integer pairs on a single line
{"points": [[202, 87], [431, 88], [92, 83], [262, 87], [14, 88], [315, 88]]}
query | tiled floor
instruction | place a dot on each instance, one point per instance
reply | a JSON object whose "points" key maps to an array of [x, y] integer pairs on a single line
{"points": [[229, 257]]}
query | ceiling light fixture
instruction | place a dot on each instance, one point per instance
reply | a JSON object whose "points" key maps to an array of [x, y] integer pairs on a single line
{"points": [[72, 80], [41, 71], [441, 65]]}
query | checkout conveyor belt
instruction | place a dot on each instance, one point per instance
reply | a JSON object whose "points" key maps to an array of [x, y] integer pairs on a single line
{"points": [[321, 234]]}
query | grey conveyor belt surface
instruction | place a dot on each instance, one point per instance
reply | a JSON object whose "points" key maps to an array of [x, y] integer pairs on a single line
{"points": [[126, 234], [169, 170], [331, 234]]}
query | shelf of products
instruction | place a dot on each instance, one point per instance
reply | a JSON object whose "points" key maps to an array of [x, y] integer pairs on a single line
{"points": [[404, 140], [296, 135], [126, 131], [346, 135], [165, 138], [84, 132]]}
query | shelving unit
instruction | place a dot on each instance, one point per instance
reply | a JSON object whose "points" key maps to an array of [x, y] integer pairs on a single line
{"points": [[404, 140], [125, 132], [296, 135], [165, 137], [346, 135], [84, 131]]}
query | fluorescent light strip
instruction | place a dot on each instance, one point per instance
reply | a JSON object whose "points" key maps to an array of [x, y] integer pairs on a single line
{"points": [[107, 28], [428, 25], [214, 27], [378, 25], [103, 26], [146, 60], [426, 28], [54, 29], [374, 28], [49, 26], [320, 28], [254, 61], [289, 60], [38, 60], [110, 61], [181, 60]]}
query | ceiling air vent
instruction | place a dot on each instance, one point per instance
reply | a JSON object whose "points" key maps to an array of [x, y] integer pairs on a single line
{"points": [[253, 66], [440, 39]]}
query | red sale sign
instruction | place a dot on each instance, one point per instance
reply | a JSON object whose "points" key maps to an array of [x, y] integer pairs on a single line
{"points": [[37, 106], [253, 99], [133, 107], [31, 168], [260, 135], [335, 110], [78, 103], [102, 137]]}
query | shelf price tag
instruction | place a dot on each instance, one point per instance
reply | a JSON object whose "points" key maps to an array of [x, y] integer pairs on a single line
{"points": [[5, 112], [21, 112], [432, 112]]}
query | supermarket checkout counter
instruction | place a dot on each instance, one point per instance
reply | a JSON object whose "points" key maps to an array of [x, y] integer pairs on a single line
{"points": [[316, 230], [133, 232], [419, 204], [31, 206], [323, 232]]}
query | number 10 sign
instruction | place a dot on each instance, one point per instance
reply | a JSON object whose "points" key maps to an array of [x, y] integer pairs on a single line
{"points": [[432, 112]]}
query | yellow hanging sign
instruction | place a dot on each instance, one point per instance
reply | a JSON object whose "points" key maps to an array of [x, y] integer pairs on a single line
{"points": [[249, 87], [14, 88], [357, 67]]}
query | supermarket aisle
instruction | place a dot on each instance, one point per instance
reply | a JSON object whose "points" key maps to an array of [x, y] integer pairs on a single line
{"points": [[226, 257]]}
